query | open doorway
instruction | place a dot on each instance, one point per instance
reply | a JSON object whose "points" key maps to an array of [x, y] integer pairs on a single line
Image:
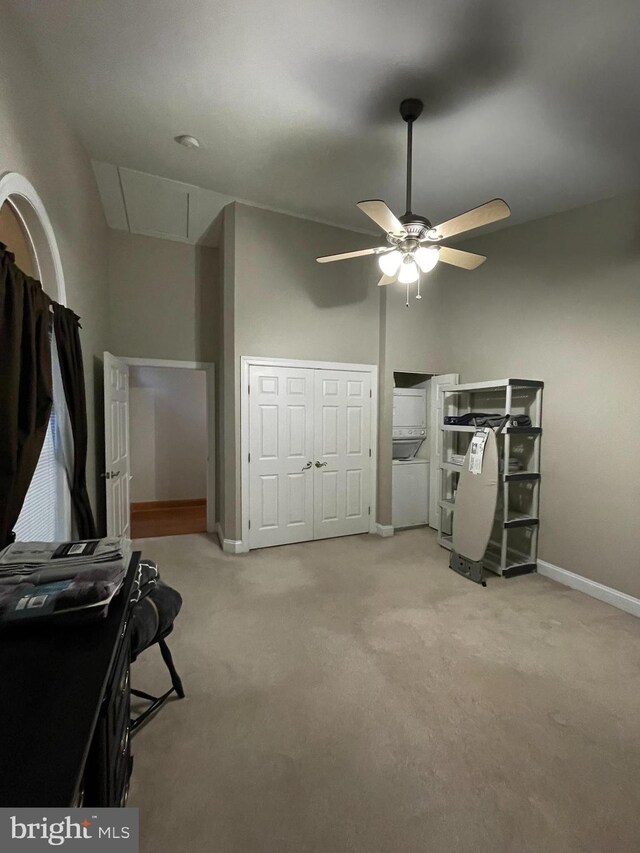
{"points": [[168, 442], [417, 448], [118, 474]]}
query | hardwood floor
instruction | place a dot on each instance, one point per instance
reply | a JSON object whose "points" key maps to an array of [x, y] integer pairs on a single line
{"points": [[168, 518]]}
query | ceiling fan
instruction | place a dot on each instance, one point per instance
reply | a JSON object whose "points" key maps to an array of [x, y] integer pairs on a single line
{"points": [[414, 244]]}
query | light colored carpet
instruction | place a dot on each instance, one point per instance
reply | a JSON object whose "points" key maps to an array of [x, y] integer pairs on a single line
{"points": [[356, 695]]}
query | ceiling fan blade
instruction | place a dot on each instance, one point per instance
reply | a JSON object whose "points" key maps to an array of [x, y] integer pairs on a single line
{"points": [[491, 211], [325, 259], [458, 258], [377, 210], [386, 279]]}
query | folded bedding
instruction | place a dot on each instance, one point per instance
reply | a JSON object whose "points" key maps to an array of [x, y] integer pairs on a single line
{"points": [[39, 580]]}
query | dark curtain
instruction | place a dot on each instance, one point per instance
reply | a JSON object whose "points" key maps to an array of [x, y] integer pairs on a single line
{"points": [[25, 386], [66, 326]]}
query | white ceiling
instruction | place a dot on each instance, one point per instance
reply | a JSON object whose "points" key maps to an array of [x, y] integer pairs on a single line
{"points": [[295, 101]]}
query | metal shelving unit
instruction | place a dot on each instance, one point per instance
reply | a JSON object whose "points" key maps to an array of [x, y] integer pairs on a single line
{"points": [[513, 548]]}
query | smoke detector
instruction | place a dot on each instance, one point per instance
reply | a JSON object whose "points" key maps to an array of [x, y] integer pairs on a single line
{"points": [[187, 140]]}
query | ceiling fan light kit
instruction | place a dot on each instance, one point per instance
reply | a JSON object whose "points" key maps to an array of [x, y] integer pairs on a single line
{"points": [[389, 262], [427, 258], [414, 245], [408, 271]]}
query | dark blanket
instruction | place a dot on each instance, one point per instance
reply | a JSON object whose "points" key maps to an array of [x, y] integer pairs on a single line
{"points": [[154, 613], [482, 419]]}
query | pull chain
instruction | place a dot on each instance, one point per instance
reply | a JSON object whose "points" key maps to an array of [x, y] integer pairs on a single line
{"points": [[418, 293]]}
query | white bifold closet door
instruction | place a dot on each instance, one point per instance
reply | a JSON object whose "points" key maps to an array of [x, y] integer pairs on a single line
{"points": [[310, 454]]}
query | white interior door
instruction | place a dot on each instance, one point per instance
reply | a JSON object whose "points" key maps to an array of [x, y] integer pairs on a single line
{"points": [[342, 461], [117, 472], [281, 401], [435, 417]]}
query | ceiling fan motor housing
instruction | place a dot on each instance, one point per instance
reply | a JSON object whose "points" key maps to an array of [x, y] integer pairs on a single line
{"points": [[417, 227]]}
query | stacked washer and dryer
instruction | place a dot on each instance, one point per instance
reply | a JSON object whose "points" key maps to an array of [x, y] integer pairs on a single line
{"points": [[410, 496]]}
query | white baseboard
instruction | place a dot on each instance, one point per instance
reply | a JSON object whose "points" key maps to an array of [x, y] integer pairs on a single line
{"points": [[230, 546], [596, 590], [234, 546], [384, 530]]}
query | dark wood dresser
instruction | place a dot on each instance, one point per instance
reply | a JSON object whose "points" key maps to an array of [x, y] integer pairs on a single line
{"points": [[64, 709]]}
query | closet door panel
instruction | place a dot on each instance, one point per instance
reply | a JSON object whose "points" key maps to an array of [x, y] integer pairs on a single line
{"points": [[342, 430], [353, 496], [281, 403]]}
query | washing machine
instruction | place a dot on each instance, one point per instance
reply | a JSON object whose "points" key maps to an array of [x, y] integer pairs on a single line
{"points": [[410, 492]]}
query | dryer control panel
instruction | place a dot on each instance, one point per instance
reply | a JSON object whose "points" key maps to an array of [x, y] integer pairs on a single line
{"points": [[409, 432]]}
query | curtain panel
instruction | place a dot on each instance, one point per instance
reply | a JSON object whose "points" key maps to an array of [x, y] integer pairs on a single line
{"points": [[25, 385], [66, 326]]}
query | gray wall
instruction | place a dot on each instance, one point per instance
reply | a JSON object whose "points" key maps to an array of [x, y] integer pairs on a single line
{"points": [[37, 143], [559, 300], [161, 298], [168, 433], [289, 306], [13, 235], [142, 442], [279, 302]]}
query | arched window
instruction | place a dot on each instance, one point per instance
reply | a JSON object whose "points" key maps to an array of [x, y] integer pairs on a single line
{"points": [[26, 231]]}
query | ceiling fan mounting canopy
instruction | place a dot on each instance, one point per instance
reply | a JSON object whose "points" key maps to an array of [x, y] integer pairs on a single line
{"points": [[413, 243], [411, 109]]}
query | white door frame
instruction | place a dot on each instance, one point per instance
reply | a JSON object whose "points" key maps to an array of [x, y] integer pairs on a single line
{"points": [[28, 207], [246, 362], [435, 442], [210, 372], [117, 482]]}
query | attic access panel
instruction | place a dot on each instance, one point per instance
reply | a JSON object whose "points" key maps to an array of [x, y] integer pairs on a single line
{"points": [[155, 206]]}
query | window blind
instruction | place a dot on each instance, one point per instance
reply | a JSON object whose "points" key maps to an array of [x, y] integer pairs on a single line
{"points": [[42, 512]]}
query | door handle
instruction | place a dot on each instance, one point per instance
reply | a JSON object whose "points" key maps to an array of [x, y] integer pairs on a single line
{"points": [[320, 464], [115, 473], [307, 466]]}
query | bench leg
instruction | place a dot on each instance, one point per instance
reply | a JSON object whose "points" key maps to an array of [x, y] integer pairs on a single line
{"points": [[175, 678], [158, 701]]}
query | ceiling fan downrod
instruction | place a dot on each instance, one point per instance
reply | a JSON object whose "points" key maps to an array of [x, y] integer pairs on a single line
{"points": [[410, 110]]}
